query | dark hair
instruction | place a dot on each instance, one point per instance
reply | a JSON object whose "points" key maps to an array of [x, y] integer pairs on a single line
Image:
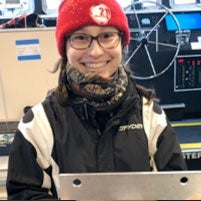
{"points": [[61, 91]]}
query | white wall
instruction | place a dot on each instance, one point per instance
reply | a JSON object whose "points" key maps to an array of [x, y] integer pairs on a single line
{"points": [[25, 82], [124, 3]]}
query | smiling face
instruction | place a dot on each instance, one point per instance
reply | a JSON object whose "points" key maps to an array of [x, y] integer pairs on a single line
{"points": [[96, 59]]}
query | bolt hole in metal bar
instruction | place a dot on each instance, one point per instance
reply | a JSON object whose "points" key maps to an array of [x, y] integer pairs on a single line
{"points": [[178, 185]]}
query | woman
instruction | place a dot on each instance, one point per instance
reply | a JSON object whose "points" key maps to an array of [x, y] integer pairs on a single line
{"points": [[97, 119]]}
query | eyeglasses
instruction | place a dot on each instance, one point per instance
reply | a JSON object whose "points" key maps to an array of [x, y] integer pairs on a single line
{"points": [[107, 40]]}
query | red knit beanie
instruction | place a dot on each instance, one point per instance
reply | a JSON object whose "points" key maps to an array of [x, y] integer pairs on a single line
{"points": [[75, 14]]}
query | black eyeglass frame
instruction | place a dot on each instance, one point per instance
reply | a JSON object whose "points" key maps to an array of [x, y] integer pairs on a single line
{"points": [[92, 38]]}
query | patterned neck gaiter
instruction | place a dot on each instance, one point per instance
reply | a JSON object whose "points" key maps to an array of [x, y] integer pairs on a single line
{"points": [[98, 92]]}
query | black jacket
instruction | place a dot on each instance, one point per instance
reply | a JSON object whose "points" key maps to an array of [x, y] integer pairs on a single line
{"points": [[52, 139]]}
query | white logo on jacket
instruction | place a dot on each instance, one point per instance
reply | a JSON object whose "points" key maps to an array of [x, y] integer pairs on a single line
{"points": [[131, 127]]}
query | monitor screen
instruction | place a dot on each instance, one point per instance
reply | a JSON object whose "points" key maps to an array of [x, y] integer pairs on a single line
{"points": [[12, 4], [12, 1], [187, 21]]}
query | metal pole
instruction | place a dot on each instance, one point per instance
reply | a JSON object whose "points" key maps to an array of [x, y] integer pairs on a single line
{"points": [[4, 100]]}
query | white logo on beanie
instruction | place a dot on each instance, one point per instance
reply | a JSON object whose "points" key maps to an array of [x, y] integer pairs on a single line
{"points": [[101, 14]]}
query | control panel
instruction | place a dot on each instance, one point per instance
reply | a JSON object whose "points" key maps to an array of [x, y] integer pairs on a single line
{"points": [[143, 20], [187, 73], [167, 59]]}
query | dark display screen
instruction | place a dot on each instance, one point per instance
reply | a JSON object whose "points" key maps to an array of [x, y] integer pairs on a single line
{"points": [[188, 73], [187, 21]]}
